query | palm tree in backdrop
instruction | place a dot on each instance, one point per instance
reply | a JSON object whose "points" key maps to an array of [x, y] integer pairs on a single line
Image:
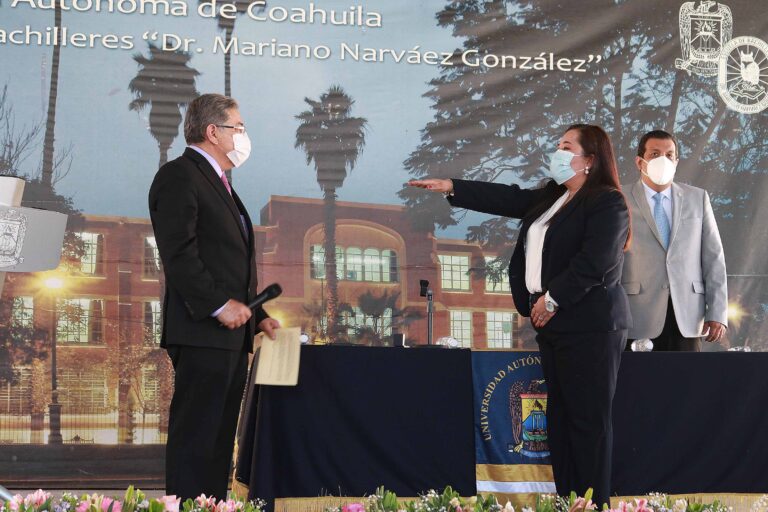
{"points": [[165, 83], [332, 139], [53, 92], [385, 318], [227, 24]]}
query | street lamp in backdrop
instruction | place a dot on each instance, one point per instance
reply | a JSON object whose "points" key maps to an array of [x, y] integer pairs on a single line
{"points": [[53, 286]]}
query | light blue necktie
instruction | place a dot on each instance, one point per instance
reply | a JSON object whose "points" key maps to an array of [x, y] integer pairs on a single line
{"points": [[662, 222]]}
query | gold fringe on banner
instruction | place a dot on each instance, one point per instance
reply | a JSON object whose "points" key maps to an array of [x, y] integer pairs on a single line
{"points": [[514, 473]]}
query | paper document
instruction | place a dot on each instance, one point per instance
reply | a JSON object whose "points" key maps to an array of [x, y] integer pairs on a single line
{"points": [[278, 363]]}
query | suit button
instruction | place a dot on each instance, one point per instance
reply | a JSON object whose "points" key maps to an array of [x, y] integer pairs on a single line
{"points": [[665, 286]]}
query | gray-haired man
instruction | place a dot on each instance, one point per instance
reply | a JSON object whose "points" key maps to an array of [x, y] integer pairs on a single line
{"points": [[205, 239]]}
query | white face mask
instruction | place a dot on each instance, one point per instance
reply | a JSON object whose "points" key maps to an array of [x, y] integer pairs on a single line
{"points": [[242, 150], [560, 168], [660, 170]]}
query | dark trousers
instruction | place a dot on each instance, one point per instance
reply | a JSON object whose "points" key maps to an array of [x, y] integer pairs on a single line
{"points": [[203, 419], [580, 370], [671, 339]]}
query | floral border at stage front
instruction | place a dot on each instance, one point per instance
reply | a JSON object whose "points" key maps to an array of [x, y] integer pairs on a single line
{"points": [[449, 500], [134, 500]]}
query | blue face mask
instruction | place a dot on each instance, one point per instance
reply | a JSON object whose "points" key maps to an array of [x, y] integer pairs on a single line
{"points": [[560, 166]]}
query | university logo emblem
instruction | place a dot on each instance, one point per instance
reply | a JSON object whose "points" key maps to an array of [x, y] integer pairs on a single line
{"points": [[743, 75], [528, 409], [13, 227], [704, 30]]}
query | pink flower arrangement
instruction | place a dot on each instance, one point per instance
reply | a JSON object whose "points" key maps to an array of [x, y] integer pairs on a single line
{"points": [[37, 498], [203, 501], [229, 506], [97, 502], [134, 501], [171, 503], [353, 507], [640, 505], [581, 505], [15, 502]]}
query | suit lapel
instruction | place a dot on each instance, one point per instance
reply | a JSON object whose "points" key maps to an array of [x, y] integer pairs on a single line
{"points": [[210, 174], [248, 227], [641, 201], [677, 209], [562, 215]]}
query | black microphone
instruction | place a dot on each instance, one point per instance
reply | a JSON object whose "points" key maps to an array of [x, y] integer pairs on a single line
{"points": [[270, 292]]}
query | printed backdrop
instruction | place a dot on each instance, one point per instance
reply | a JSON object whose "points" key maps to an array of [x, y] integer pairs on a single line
{"points": [[92, 97]]}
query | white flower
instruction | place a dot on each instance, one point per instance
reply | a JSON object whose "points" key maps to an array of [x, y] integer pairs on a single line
{"points": [[528, 509], [680, 506], [508, 507], [454, 502], [761, 504]]}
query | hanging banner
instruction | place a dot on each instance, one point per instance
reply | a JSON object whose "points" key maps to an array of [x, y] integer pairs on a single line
{"points": [[512, 454]]}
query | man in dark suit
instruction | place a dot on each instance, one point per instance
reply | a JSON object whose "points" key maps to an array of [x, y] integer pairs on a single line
{"points": [[205, 239]]}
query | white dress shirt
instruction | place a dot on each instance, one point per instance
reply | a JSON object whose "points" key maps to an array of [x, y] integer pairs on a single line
{"points": [[211, 160], [534, 246], [666, 200]]}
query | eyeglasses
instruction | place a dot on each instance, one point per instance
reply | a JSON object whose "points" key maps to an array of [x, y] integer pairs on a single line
{"points": [[238, 129]]}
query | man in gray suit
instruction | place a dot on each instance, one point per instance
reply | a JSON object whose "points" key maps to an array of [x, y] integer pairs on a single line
{"points": [[674, 273]]}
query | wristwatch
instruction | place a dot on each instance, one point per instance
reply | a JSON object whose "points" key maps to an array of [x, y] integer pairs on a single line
{"points": [[549, 304]]}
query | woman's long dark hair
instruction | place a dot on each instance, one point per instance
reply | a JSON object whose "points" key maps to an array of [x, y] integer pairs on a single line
{"points": [[603, 173]]}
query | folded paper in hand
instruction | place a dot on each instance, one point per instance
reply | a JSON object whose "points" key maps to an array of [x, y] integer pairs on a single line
{"points": [[278, 363]]}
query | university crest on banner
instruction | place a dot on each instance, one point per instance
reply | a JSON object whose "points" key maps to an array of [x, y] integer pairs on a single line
{"points": [[704, 30], [512, 453], [528, 410], [708, 50], [13, 228]]}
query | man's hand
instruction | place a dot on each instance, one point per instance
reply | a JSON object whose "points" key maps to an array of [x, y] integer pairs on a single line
{"points": [[539, 314], [714, 331], [234, 314], [269, 326], [444, 186]]}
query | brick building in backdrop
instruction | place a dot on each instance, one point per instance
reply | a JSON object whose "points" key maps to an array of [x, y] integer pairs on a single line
{"points": [[114, 382]]}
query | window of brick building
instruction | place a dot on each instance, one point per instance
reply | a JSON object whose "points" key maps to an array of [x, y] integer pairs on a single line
{"points": [[153, 328], [152, 266], [355, 264], [461, 327], [500, 328], [80, 321], [454, 272], [15, 396], [496, 280], [83, 391], [92, 261], [23, 312]]}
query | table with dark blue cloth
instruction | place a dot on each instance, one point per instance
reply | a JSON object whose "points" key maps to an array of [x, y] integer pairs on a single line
{"points": [[361, 417], [688, 422], [403, 418]]}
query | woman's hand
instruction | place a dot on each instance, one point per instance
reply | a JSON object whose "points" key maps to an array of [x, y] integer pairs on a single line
{"points": [[539, 314], [444, 186]]}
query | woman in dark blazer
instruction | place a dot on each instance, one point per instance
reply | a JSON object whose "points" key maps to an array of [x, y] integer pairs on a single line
{"points": [[565, 274]]}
